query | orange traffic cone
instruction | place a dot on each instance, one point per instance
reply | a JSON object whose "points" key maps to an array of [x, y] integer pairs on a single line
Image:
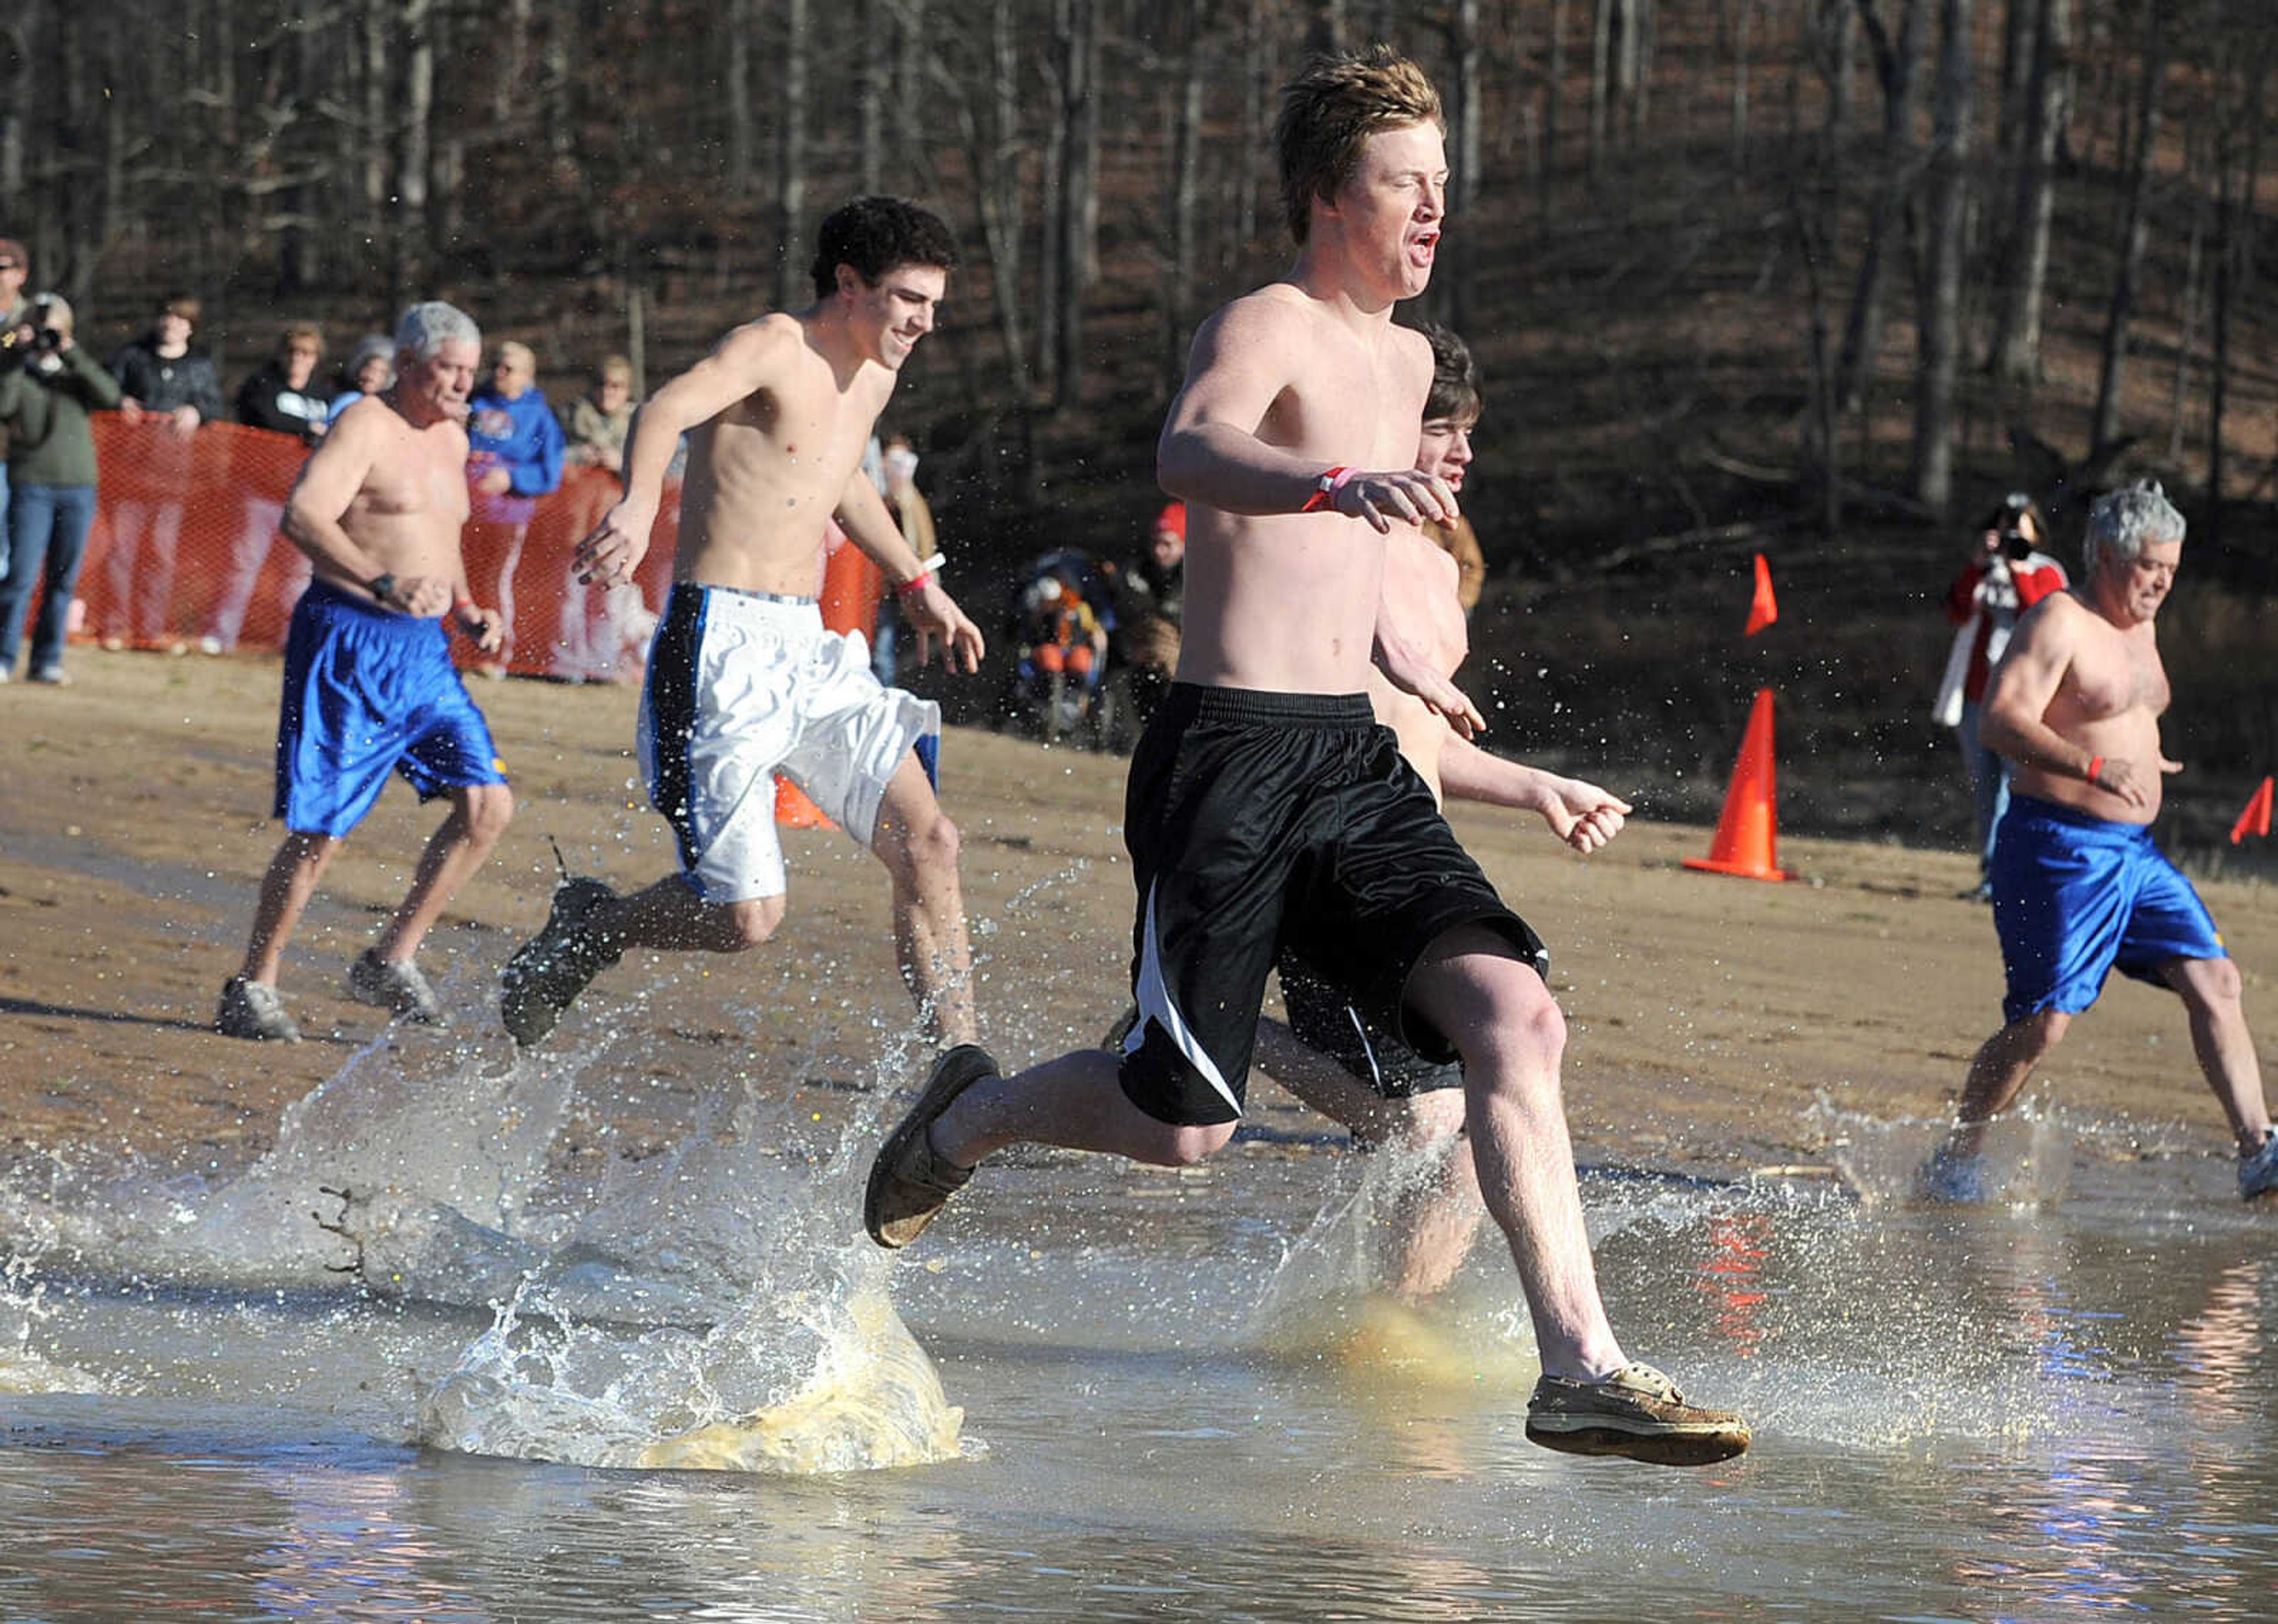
{"points": [[2255, 819], [852, 588], [1745, 837], [1763, 609]]}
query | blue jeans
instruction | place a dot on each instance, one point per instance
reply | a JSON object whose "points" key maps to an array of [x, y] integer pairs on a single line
{"points": [[4, 520], [47, 525], [1989, 783]]}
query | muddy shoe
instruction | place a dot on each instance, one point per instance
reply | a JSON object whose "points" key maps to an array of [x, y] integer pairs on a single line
{"points": [[252, 1009], [909, 1183], [2258, 1174], [1953, 1178], [1636, 1413], [400, 987], [547, 972]]}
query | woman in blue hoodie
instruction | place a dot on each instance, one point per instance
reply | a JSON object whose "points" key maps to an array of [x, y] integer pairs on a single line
{"points": [[515, 448]]}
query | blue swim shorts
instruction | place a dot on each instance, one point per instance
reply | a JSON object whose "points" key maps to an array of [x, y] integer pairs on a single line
{"points": [[368, 693], [2076, 896]]}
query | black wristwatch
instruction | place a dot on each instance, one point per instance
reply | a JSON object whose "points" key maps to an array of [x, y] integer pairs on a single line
{"points": [[383, 587]]}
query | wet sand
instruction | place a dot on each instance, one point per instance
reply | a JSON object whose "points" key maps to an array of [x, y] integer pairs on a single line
{"points": [[1706, 1015]]}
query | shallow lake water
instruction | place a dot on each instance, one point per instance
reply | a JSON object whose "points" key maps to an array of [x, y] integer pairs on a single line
{"points": [[455, 1350]]}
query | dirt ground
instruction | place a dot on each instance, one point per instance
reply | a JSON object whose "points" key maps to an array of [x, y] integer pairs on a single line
{"points": [[1707, 1014]]}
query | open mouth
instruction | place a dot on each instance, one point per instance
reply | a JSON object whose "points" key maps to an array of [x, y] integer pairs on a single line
{"points": [[1423, 244]]}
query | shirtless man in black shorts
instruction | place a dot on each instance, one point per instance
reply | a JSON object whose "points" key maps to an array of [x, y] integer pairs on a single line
{"points": [[1264, 800]]}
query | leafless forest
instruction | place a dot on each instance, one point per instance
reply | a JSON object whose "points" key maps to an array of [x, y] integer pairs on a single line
{"points": [[1809, 277]]}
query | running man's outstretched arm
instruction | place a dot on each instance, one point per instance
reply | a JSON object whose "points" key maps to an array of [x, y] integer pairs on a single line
{"points": [[1579, 813], [739, 364], [1209, 451], [862, 513]]}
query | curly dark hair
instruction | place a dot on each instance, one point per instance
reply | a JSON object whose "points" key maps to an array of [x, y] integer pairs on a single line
{"points": [[875, 235]]}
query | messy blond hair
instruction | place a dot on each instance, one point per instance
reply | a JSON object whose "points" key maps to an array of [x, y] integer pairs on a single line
{"points": [[1329, 111]]}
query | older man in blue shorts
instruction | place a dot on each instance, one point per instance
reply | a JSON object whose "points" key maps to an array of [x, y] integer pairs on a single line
{"points": [[369, 690], [2079, 889]]}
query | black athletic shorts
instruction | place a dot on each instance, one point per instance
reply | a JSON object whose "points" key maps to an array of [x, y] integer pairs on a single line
{"points": [[1260, 821], [1324, 1019]]}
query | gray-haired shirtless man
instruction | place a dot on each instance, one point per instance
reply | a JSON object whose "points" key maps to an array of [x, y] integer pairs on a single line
{"points": [[2079, 888], [745, 685], [369, 691], [1267, 805]]}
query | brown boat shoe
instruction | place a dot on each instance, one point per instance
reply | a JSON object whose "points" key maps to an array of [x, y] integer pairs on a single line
{"points": [[910, 1183], [1636, 1413]]}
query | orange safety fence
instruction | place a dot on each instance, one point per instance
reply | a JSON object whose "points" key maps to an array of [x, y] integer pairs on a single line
{"points": [[185, 553]]}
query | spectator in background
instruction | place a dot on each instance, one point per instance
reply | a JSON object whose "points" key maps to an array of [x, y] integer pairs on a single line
{"points": [[1450, 413], [600, 418], [370, 368], [282, 397], [159, 376], [515, 448], [605, 627], [15, 318], [45, 397], [899, 462], [1151, 599], [2006, 574]]}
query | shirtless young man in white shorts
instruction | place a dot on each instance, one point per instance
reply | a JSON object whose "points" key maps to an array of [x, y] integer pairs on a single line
{"points": [[1265, 803], [743, 685]]}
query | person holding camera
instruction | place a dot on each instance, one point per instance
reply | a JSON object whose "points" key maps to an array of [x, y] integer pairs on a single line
{"points": [[2006, 574], [47, 386], [15, 313]]}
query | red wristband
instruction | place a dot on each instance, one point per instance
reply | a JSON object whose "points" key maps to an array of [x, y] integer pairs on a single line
{"points": [[2095, 767], [913, 583], [458, 603], [1325, 489]]}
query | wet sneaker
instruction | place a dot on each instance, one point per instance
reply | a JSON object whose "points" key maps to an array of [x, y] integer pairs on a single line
{"points": [[910, 1184], [252, 1009], [547, 972], [1637, 1413], [1952, 1179], [400, 987], [2258, 1174]]}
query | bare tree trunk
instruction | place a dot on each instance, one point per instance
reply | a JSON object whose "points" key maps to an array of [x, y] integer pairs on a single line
{"points": [[1186, 177], [1938, 328], [1601, 49], [735, 87], [870, 96], [2112, 374], [1898, 64], [1256, 114], [1743, 12], [1079, 214], [2047, 98], [1465, 118], [416, 149], [1554, 99], [2187, 338], [791, 155], [16, 47], [377, 134]]}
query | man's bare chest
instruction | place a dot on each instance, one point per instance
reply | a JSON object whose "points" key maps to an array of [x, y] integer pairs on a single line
{"points": [[2120, 673]]}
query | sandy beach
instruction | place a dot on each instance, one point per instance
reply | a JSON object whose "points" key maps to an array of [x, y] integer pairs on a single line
{"points": [[1706, 1015]]}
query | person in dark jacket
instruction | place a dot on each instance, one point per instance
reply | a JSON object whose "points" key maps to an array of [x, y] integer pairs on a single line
{"points": [[44, 402], [161, 378], [15, 319], [283, 397]]}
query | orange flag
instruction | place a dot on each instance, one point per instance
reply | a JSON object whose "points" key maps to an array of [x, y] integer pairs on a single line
{"points": [[2255, 819], [1765, 609]]}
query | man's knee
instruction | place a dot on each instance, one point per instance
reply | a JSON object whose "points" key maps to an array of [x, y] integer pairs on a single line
{"points": [[925, 848], [743, 926], [490, 808], [1175, 1146], [2212, 984], [2033, 1037], [1516, 1023]]}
